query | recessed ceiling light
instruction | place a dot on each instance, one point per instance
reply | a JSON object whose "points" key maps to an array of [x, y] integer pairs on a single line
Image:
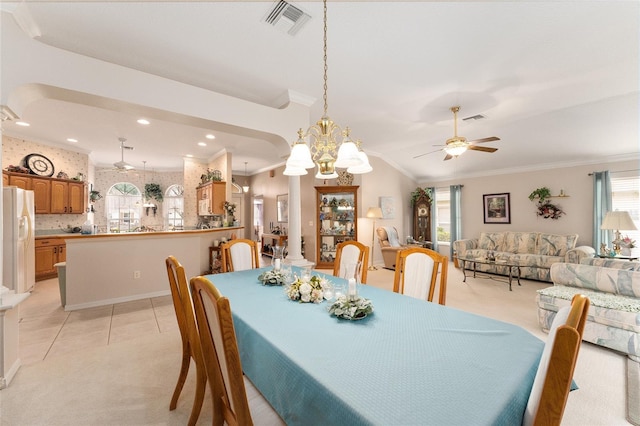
{"points": [[23, 123], [189, 155], [202, 144], [72, 140], [143, 121], [210, 136]]}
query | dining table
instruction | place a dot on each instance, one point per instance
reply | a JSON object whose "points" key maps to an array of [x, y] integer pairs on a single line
{"points": [[410, 362]]}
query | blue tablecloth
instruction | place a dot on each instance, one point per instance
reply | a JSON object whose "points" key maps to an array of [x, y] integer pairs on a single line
{"points": [[410, 363]]}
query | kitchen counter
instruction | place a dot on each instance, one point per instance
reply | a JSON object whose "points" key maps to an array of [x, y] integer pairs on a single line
{"points": [[69, 235], [104, 269]]}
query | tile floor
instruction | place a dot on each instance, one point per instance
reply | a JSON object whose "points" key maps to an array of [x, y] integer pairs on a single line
{"points": [[46, 330]]}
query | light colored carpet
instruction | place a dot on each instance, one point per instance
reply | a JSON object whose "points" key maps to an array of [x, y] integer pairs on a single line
{"points": [[131, 382]]}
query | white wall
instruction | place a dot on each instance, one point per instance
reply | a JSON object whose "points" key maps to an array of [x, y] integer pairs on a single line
{"points": [[578, 206]]}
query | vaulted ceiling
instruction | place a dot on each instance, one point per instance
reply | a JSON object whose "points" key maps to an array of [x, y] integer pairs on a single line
{"points": [[556, 81]]}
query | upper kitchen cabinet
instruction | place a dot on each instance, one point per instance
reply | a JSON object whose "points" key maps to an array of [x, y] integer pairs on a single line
{"points": [[58, 196], [68, 197], [211, 197]]}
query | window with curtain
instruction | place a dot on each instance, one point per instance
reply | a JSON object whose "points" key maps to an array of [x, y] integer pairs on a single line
{"points": [[443, 215], [173, 207], [625, 195], [123, 207]]}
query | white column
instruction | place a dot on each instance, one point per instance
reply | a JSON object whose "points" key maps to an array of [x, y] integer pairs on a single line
{"points": [[294, 246]]}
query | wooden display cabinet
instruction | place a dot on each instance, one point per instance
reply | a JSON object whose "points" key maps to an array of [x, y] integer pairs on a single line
{"points": [[337, 219]]}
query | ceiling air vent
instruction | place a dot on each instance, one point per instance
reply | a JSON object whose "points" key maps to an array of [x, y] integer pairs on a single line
{"points": [[286, 17], [475, 117]]}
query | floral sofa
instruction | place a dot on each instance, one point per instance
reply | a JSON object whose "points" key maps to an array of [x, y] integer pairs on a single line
{"points": [[537, 251], [614, 315]]}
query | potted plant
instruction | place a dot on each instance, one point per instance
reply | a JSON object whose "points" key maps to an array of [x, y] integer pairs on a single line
{"points": [[153, 191], [541, 194], [420, 192], [94, 196]]}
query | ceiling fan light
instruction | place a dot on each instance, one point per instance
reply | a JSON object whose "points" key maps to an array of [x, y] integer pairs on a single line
{"points": [[365, 167], [455, 151]]}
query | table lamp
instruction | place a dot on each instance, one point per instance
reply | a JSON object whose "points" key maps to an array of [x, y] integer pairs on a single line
{"points": [[373, 213], [616, 221]]}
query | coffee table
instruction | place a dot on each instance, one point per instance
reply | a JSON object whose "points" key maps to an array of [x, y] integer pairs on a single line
{"points": [[514, 267]]}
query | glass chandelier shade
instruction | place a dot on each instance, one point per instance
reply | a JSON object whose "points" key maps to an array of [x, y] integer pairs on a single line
{"points": [[456, 146], [329, 146]]}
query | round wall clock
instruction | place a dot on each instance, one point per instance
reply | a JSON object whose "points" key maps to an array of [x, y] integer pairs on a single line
{"points": [[39, 165]]}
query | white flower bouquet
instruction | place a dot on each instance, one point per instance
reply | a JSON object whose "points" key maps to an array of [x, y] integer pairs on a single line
{"points": [[273, 277], [308, 290], [356, 309]]}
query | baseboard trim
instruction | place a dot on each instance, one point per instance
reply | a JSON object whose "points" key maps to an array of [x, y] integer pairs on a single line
{"points": [[116, 300]]}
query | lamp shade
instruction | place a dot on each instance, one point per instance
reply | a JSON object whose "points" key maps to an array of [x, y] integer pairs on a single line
{"points": [[365, 167], [300, 156], [618, 220], [374, 213], [348, 155]]}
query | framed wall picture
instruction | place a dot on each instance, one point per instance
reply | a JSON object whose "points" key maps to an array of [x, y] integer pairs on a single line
{"points": [[497, 208], [282, 204], [387, 207]]}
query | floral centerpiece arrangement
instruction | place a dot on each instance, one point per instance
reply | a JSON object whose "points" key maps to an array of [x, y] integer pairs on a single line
{"points": [[308, 290], [273, 277], [356, 309]]}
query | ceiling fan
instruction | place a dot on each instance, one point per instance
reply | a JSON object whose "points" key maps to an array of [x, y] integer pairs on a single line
{"points": [[122, 165], [457, 145]]}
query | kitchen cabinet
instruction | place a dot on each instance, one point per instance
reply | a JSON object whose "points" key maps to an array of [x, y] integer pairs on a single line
{"points": [[210, 198], [41, 195], [68, 197], [51, 195], [337, 219], [49, 251]]}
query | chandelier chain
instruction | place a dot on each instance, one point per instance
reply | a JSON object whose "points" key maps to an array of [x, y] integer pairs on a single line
{"points": [[326, 104]]}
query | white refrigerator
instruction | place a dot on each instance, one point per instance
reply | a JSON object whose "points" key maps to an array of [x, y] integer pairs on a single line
{"points": [[18, 242]]}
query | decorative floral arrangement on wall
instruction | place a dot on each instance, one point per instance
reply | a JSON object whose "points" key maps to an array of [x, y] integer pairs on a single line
{"points": [[545, 208]]}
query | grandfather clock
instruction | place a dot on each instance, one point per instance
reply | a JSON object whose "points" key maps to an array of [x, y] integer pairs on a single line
{"points": [[422, 219]]}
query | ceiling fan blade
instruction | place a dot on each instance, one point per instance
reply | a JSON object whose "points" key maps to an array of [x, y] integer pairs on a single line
{"points": [[483, 140], [447, 157], [482, 148], [427, 153]]}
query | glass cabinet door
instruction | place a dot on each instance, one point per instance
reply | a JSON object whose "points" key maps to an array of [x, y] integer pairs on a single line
{"points": [[337, 221]]}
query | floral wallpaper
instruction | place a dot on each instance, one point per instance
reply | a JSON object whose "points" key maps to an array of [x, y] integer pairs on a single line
{"points": [[70, 162]]}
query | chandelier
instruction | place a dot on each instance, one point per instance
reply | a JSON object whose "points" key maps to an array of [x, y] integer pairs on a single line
{"points": [[329, 145]]}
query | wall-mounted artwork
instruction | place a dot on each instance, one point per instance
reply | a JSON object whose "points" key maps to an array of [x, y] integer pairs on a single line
{"points": [[283, 207], [497, 208], [388, 208]]}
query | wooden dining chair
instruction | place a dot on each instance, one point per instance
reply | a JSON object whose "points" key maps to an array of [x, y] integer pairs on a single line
{"points": [[183, 306], [240, 254], [222, 358], [552, 383], [417, 273], [351, 252]]}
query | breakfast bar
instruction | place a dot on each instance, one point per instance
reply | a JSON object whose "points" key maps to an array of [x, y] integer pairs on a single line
{"points": [[103, 269]]}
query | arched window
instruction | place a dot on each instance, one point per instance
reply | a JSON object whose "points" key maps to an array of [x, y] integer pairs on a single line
{"points": [[174, 207], [123, 207]]}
